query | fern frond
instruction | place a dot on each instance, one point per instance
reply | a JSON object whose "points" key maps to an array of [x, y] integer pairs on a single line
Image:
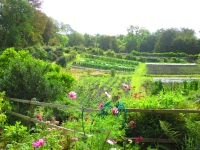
{"points": [[166, 127]]}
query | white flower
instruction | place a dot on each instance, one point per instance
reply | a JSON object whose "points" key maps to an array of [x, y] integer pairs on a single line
{"points": [[113, 149], [110, 142]]}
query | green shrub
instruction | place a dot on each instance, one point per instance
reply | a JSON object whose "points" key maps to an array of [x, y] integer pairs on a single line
{"points": [[112, 72], [22, 76], [62, 61]]}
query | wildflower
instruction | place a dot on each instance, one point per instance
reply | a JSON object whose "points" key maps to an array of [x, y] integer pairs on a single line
{"points": [[48, 122], [72, 95], [114, 110], [135, 95], [101, 105], [60, 128], [74, 139], [113, 149], [131, 124], [56, 122], [138, 139], [126, 86], [39, 118], [108, 95], [40, 142], [111, 141]]}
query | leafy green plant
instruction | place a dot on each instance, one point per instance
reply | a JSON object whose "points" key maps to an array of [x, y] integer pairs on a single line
{"points": [[169, 131], [2, 105], [112, 72]]}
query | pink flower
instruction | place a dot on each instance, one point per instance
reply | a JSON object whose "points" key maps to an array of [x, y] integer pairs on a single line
{"points": [[56, 122], [40, 142], [126, 86], [72, 95], [48, 122], [74, 138], [108, 95], [114, 110], [101, 105], [38, 117], [138, 139], [131, 124]]}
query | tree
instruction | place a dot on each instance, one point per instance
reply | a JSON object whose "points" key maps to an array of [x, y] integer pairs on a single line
{"points": [[89, 40], [39, 24], [186, 44], [48, 32], [63, 39], [165, 40], [135, 37], [105, 42], [76, 39], [148, 44], [15, 23]]}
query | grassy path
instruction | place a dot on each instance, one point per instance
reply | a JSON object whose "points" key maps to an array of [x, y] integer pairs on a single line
{"points": [[139, 77]]}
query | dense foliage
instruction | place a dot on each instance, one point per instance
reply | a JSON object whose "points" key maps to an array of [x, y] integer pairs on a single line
{"points": [[30, 26], [25, 77]]}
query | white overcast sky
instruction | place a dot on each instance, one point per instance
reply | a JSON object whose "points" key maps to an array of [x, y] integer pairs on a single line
{"points": [[112, 17]]}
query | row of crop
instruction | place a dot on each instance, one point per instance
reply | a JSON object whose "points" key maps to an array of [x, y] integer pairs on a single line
{"points": [[92, 89], [113, 60], [91, 64], [173, 69]]}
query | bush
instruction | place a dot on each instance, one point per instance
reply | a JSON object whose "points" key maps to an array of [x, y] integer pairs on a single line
{"points": [[112, 72], [62, 61], [22, 76]]}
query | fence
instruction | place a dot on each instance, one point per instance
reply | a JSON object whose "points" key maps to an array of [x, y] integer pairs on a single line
{"points": [[145, 140]]}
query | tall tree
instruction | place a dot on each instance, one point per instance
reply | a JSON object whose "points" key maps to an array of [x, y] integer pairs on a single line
{"points": [[165, 40], [186, 44], [15, 22], [148, 44], [39, 24], [135, 37], [89, 40], [76, 39], [48, 32]]}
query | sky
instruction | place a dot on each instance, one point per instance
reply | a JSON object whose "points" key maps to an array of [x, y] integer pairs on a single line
{"points": [[113, 17]]}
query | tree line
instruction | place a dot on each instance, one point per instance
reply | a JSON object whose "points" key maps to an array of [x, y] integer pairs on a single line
{"points": [[23, 24]]}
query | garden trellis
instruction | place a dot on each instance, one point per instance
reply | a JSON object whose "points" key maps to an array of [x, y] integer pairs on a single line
{"points": [[32, 102]]}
